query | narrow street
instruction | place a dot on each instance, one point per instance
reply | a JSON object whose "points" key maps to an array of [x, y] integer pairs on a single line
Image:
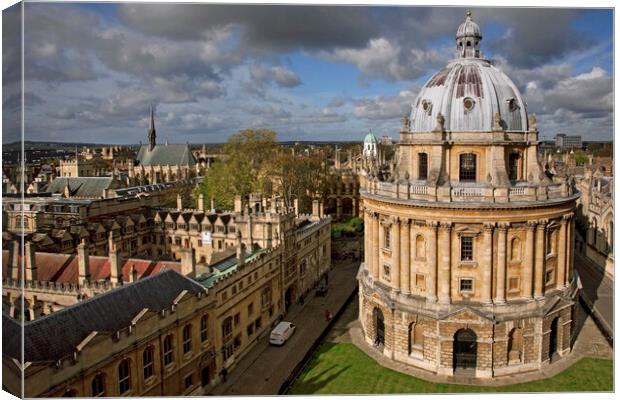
{"points": [[597, 291], [265, 368]]}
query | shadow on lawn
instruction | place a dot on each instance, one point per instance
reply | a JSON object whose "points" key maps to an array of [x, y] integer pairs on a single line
{"points": [[316, 383]]}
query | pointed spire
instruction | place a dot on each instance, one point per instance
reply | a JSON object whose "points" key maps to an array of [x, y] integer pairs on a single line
{"points": [[152, 135]]}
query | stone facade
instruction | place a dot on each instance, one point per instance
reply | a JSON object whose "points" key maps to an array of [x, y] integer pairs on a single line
{"points": [[468, 244]]}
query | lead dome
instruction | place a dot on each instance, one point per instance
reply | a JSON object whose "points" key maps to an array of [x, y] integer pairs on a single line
{"points": [[470, 93]]}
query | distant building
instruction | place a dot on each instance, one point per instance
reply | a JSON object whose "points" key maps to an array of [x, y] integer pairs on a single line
{"points": [[568, 142]]}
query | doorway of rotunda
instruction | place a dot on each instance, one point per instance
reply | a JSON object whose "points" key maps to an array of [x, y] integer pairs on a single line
{"points": [[553, 339], [379, 327], [465, 351]]}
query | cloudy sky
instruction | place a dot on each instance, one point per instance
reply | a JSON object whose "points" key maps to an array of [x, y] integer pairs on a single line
{"points": [[310, 73]]}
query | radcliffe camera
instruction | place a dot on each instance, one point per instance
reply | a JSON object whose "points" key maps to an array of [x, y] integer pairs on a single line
{"points": [[203, 199]]}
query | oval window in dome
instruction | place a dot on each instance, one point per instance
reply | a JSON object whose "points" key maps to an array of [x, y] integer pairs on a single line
{"points": [[468, 103], [512, 104], [426, 106]]}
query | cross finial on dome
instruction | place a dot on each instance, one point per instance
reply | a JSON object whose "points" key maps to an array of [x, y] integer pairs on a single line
{"points": [[469, 13]]}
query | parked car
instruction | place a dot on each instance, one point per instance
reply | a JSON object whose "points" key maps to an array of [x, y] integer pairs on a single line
{"points": [[280, 334]]}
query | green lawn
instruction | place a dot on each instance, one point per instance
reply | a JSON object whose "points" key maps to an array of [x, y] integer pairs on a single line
{"points": [[344, 369]]}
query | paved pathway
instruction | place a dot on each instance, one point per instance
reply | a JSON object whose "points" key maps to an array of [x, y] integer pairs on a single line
{"points": [[590, 343], [598, 290], [265, 368]]}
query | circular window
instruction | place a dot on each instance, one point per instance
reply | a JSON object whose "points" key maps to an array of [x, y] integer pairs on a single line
{"points": [[468, 103], [425, 105]]}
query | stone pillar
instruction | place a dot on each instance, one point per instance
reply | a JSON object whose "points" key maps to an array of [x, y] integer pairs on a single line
{"points": [[570, 256], [539, 270], [431, 285], [367, 237], [395, 272], [487, 264], [500, 293], [375, 246], [443, 278], [405, 257], [560, 274], [528, 272]]}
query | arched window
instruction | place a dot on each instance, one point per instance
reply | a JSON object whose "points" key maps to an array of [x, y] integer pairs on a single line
{"points": [[204, 320], [168, 354], [467, 167], [386, 237], [515, 249], [97, 386], [147, 362], [468, 43], [420, 248], [187, 338], [422, 166], [513, 166], [124, 377], [515, 345]]}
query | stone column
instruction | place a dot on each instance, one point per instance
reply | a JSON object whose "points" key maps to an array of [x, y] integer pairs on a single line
{"points": [[560, 274], [487, 263], [375, 246], [528, 272], [367, 241], [570, 255], [443, 279], [539, 271], [431, 285], [395, 271], [405, 257], [500, 293]]}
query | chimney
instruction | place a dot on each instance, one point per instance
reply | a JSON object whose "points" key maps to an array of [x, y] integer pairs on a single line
{"points": [[83, 262], [116, 265], [337, 158], [296, 206], [133, 274], [212, 204], [29, 263], [321, 209], [201, 202], [315, 208], [179, 202], [240, 251], [14, 263], [188, 262], [238, 204]]}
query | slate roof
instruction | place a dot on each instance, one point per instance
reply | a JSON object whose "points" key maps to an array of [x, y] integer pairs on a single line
{"points": [[50, 338], [166, 154], [92, 187]]}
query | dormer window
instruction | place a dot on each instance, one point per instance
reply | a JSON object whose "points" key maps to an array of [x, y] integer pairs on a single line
{"points": [[512, 104]]}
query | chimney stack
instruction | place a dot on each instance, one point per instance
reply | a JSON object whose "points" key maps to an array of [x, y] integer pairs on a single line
{"points": [[201, 202], [179, 201], [188, 262], [240, 251], [83, 262], [133, 274], [30, 263], [315, 208], [116, 265]]}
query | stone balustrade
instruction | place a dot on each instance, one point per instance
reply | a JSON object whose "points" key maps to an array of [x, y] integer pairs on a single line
{"points": [[459, 192]]}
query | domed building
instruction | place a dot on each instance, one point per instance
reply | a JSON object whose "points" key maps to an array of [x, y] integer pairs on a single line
{"points": [[468, 242]]}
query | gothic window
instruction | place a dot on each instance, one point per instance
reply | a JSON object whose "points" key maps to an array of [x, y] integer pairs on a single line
{"points": [[513, 166], [187, 338], [147, 362], [422, 166], [203, 327], [124, 377], [420, 248], [467, 248], [98, 386], [168, 356], [467, 167], [515, 249]]}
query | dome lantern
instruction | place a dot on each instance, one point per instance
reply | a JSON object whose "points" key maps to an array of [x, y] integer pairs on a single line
{"points": [[468, 38]]}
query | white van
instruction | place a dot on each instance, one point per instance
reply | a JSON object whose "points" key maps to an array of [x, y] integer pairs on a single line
{"points": [[281, 333]]}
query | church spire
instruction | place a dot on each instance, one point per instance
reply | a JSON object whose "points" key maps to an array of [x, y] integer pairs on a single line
{"points": [[152, 134]]}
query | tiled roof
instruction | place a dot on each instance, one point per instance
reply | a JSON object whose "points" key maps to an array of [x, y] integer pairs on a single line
{"points": [[56, 335], [63, 268], [92, 187], [166, 154]]}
